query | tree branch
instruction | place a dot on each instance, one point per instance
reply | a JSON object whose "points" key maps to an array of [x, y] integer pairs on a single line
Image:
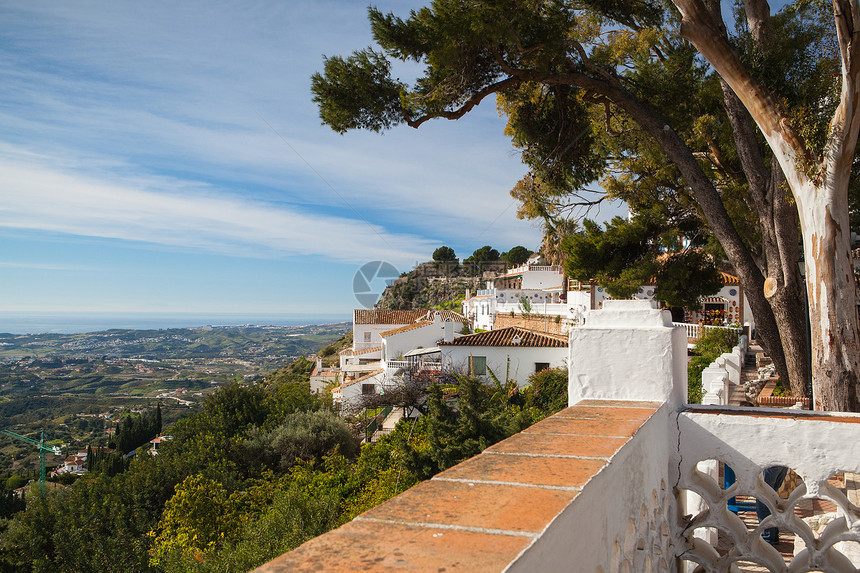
{"points": [[466, 107], [698, 26]]}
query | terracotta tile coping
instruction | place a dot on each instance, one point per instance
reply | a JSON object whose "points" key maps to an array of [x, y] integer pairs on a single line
{"points": [[480, 514], [841, 417]]}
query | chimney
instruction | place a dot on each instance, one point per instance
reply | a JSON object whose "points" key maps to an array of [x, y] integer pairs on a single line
{"points": [[448, 329]]}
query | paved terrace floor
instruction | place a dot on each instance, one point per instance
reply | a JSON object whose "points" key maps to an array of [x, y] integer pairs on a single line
{"points": [[481, 514]]}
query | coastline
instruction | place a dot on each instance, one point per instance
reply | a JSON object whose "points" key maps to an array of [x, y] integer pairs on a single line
{"points": [[20, 322]]}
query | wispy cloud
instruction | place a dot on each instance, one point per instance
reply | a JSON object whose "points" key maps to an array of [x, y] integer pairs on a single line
{"points": [[187, 215]]}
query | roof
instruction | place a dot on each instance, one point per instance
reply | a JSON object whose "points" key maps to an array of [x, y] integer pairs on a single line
{"points": [[363, 378], [510, 336], [729, 279], [375, 316], [326, 374], [406, 328], [716, 299], [367, 350], [421, 351], [345, 352]]}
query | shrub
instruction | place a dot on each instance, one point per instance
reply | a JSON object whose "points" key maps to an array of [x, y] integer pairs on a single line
{"points": [[708, 348]]}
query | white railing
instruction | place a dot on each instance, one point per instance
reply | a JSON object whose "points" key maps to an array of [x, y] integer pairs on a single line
{"points": [[395, 364], [694, 331], [711, 438], [534, 268], [537, 308]]}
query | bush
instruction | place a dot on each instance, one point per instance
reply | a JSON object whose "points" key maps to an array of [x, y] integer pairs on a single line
{"points": [[303, 435], [708, 348], [547, 391]]}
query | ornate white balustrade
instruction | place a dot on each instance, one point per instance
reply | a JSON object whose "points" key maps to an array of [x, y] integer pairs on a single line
{"points": [[820, 448]]}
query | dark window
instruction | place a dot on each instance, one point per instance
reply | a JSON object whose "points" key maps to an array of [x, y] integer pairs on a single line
{"points": [[477, 365], [368, 389], [541, 366]]}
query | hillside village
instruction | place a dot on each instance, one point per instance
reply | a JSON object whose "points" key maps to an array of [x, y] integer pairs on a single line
{"points": [[516, 324]]}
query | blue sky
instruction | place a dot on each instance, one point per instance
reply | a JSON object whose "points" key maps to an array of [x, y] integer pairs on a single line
{"points": [[167, 157]]}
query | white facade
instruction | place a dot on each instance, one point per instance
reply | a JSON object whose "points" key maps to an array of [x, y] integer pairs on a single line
{"points": [[349, 393], [511, 353], [397, 342]]}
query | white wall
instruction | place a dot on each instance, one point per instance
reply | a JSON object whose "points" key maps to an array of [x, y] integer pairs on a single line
{"points": [[628, 351], [518, 362], [395, 345], [619, 520], [375, 330], [542, 279]]}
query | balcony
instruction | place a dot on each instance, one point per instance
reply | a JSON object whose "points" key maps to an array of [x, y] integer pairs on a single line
{"points": [[628, 478]]}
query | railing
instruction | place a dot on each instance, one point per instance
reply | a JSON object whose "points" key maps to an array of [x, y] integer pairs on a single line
{"points": [[395, 364], [812, 445], [534, 268], [694, 331], [537, 308]]}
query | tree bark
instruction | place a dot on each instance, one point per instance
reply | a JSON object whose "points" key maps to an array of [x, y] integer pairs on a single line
{"points": [[779, 245], [820, 188]]}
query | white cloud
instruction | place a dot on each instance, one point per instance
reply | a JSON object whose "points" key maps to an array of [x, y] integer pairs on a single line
{"points": [[36, 196]]}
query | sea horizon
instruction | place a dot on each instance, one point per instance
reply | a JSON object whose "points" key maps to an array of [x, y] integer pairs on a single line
{"points": [[77, 322]]}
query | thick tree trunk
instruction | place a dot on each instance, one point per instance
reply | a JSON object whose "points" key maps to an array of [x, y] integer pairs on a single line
{"points": [[832, 296], [820, 187], [778, 224]]}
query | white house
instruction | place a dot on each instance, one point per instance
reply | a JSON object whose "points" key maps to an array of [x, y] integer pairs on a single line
{"points": [[369, 324], [529, 289], [348, 393], [322, 377], [422, 334], [511, 353], [73, 464]]}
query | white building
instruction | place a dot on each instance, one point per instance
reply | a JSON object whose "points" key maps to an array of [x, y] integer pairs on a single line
{"points": [[323, 377], [529, 289], [369, 324], [349, 392], [512, 353], [422, 334]]}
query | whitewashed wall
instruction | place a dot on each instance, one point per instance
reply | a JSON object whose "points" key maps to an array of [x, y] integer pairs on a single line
{"points": [[518, 362]]}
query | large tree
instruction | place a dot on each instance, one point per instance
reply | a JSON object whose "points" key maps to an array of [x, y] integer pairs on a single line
{"points": [[559, 66]]}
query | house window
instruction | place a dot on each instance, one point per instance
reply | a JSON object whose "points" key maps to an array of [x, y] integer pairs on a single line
{"points": [[541, 366], [477, 365], [367, 337], [368, 389]]}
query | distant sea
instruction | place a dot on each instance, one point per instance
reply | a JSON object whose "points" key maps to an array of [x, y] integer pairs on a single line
{"points": [[81, 322]]}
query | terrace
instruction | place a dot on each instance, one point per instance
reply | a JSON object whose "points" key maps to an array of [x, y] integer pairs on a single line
{"points": [[628, 478]]}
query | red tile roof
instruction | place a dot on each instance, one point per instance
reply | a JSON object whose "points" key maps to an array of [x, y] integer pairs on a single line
{"points": [[507, 336], [374, 316], [367, 350], [406, 328], [729, 279], [363, 378]]}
